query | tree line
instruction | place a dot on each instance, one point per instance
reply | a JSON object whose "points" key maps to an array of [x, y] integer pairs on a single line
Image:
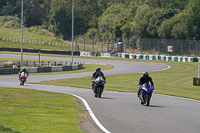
{"points": [[156, 19]]}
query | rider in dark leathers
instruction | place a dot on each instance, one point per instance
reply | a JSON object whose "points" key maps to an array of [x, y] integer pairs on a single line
{"points": [[144, 79], [23, 70], [95, 75]]}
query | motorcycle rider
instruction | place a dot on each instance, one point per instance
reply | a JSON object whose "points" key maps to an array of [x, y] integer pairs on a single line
{"points": [[95, 75], [23, 70], [145, 78]]}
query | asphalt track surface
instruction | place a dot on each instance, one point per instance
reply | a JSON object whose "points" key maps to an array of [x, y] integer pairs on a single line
{"points": [[120, 112]]}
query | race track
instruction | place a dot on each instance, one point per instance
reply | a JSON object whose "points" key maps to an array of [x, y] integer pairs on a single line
{"points": [[121, 112]]}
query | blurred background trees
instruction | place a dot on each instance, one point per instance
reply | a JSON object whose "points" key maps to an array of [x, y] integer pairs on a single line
{"points": [[155, 19]]}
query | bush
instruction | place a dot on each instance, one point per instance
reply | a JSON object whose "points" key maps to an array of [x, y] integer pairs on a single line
{"points": [[10, 21]]}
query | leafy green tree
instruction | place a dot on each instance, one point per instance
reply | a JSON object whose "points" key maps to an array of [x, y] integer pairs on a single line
{"points": [[167, 4], [36, 12], [10, 7], [156, 17], [112, 20], [139, 24], [170, 28], [191, 20], [60, 22], [2, 4]]}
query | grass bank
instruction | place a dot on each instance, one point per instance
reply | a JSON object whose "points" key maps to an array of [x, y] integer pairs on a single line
{"points": [[33, 111], [16, 34]]}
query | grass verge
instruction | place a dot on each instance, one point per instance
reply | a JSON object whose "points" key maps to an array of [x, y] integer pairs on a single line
{"points": [[26, 110], [176, 81]]}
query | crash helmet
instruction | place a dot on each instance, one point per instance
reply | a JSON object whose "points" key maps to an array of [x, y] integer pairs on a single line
{"points": [[146, 75], [98, 69], [24, 69]]}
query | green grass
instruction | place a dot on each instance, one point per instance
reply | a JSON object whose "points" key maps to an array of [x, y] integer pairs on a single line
{"points": [[33, 111], [176, 81], [4, 129], [16, 34]]}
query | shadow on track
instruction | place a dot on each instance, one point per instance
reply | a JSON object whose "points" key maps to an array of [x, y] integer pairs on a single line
{"points": [[156, 106], [106, 98]]}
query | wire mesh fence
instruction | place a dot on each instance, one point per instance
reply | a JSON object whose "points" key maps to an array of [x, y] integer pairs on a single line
{"points": [[129, 45]]}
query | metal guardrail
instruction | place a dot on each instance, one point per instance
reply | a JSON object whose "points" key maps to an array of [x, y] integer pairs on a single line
{"points": [[42, 67]]}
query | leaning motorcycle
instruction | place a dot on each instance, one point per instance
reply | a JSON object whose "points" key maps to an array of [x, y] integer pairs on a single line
{"points": [[145, 94], [23, 77], [98, 87]]}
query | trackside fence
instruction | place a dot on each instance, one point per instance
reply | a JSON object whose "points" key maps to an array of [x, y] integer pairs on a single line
{"points": [[169, 47]]}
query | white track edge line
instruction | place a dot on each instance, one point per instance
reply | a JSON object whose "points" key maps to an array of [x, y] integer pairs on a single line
{"points": [[91, 113]]}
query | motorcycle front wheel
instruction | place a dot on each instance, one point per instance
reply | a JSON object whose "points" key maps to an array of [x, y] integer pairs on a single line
{"points": [[99, 91], [148, 96]]}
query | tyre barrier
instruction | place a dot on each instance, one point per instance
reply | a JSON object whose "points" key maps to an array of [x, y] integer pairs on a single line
{"points": [[142, 56], [7, 71]]}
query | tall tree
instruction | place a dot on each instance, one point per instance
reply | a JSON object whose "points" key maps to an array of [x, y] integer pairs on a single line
{"points": [[36, 12], [191, 20]]}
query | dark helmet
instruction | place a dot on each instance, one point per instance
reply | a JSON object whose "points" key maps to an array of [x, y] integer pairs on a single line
{"points": [[145, 74], [98, 69], [24, 69]]}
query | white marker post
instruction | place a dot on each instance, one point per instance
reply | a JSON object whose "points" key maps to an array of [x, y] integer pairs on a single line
{"points": [[72, 28], [22, 36]]}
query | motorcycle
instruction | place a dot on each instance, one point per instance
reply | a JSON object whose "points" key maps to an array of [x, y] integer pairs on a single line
{"points": [[145, 94], [23, 77], [98, 86]]}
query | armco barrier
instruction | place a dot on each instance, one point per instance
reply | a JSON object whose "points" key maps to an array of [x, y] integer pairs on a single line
{"points": [[80, 66], [41, 51], [74, 67], [32, 69], [6, 71], [56, 68]]}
